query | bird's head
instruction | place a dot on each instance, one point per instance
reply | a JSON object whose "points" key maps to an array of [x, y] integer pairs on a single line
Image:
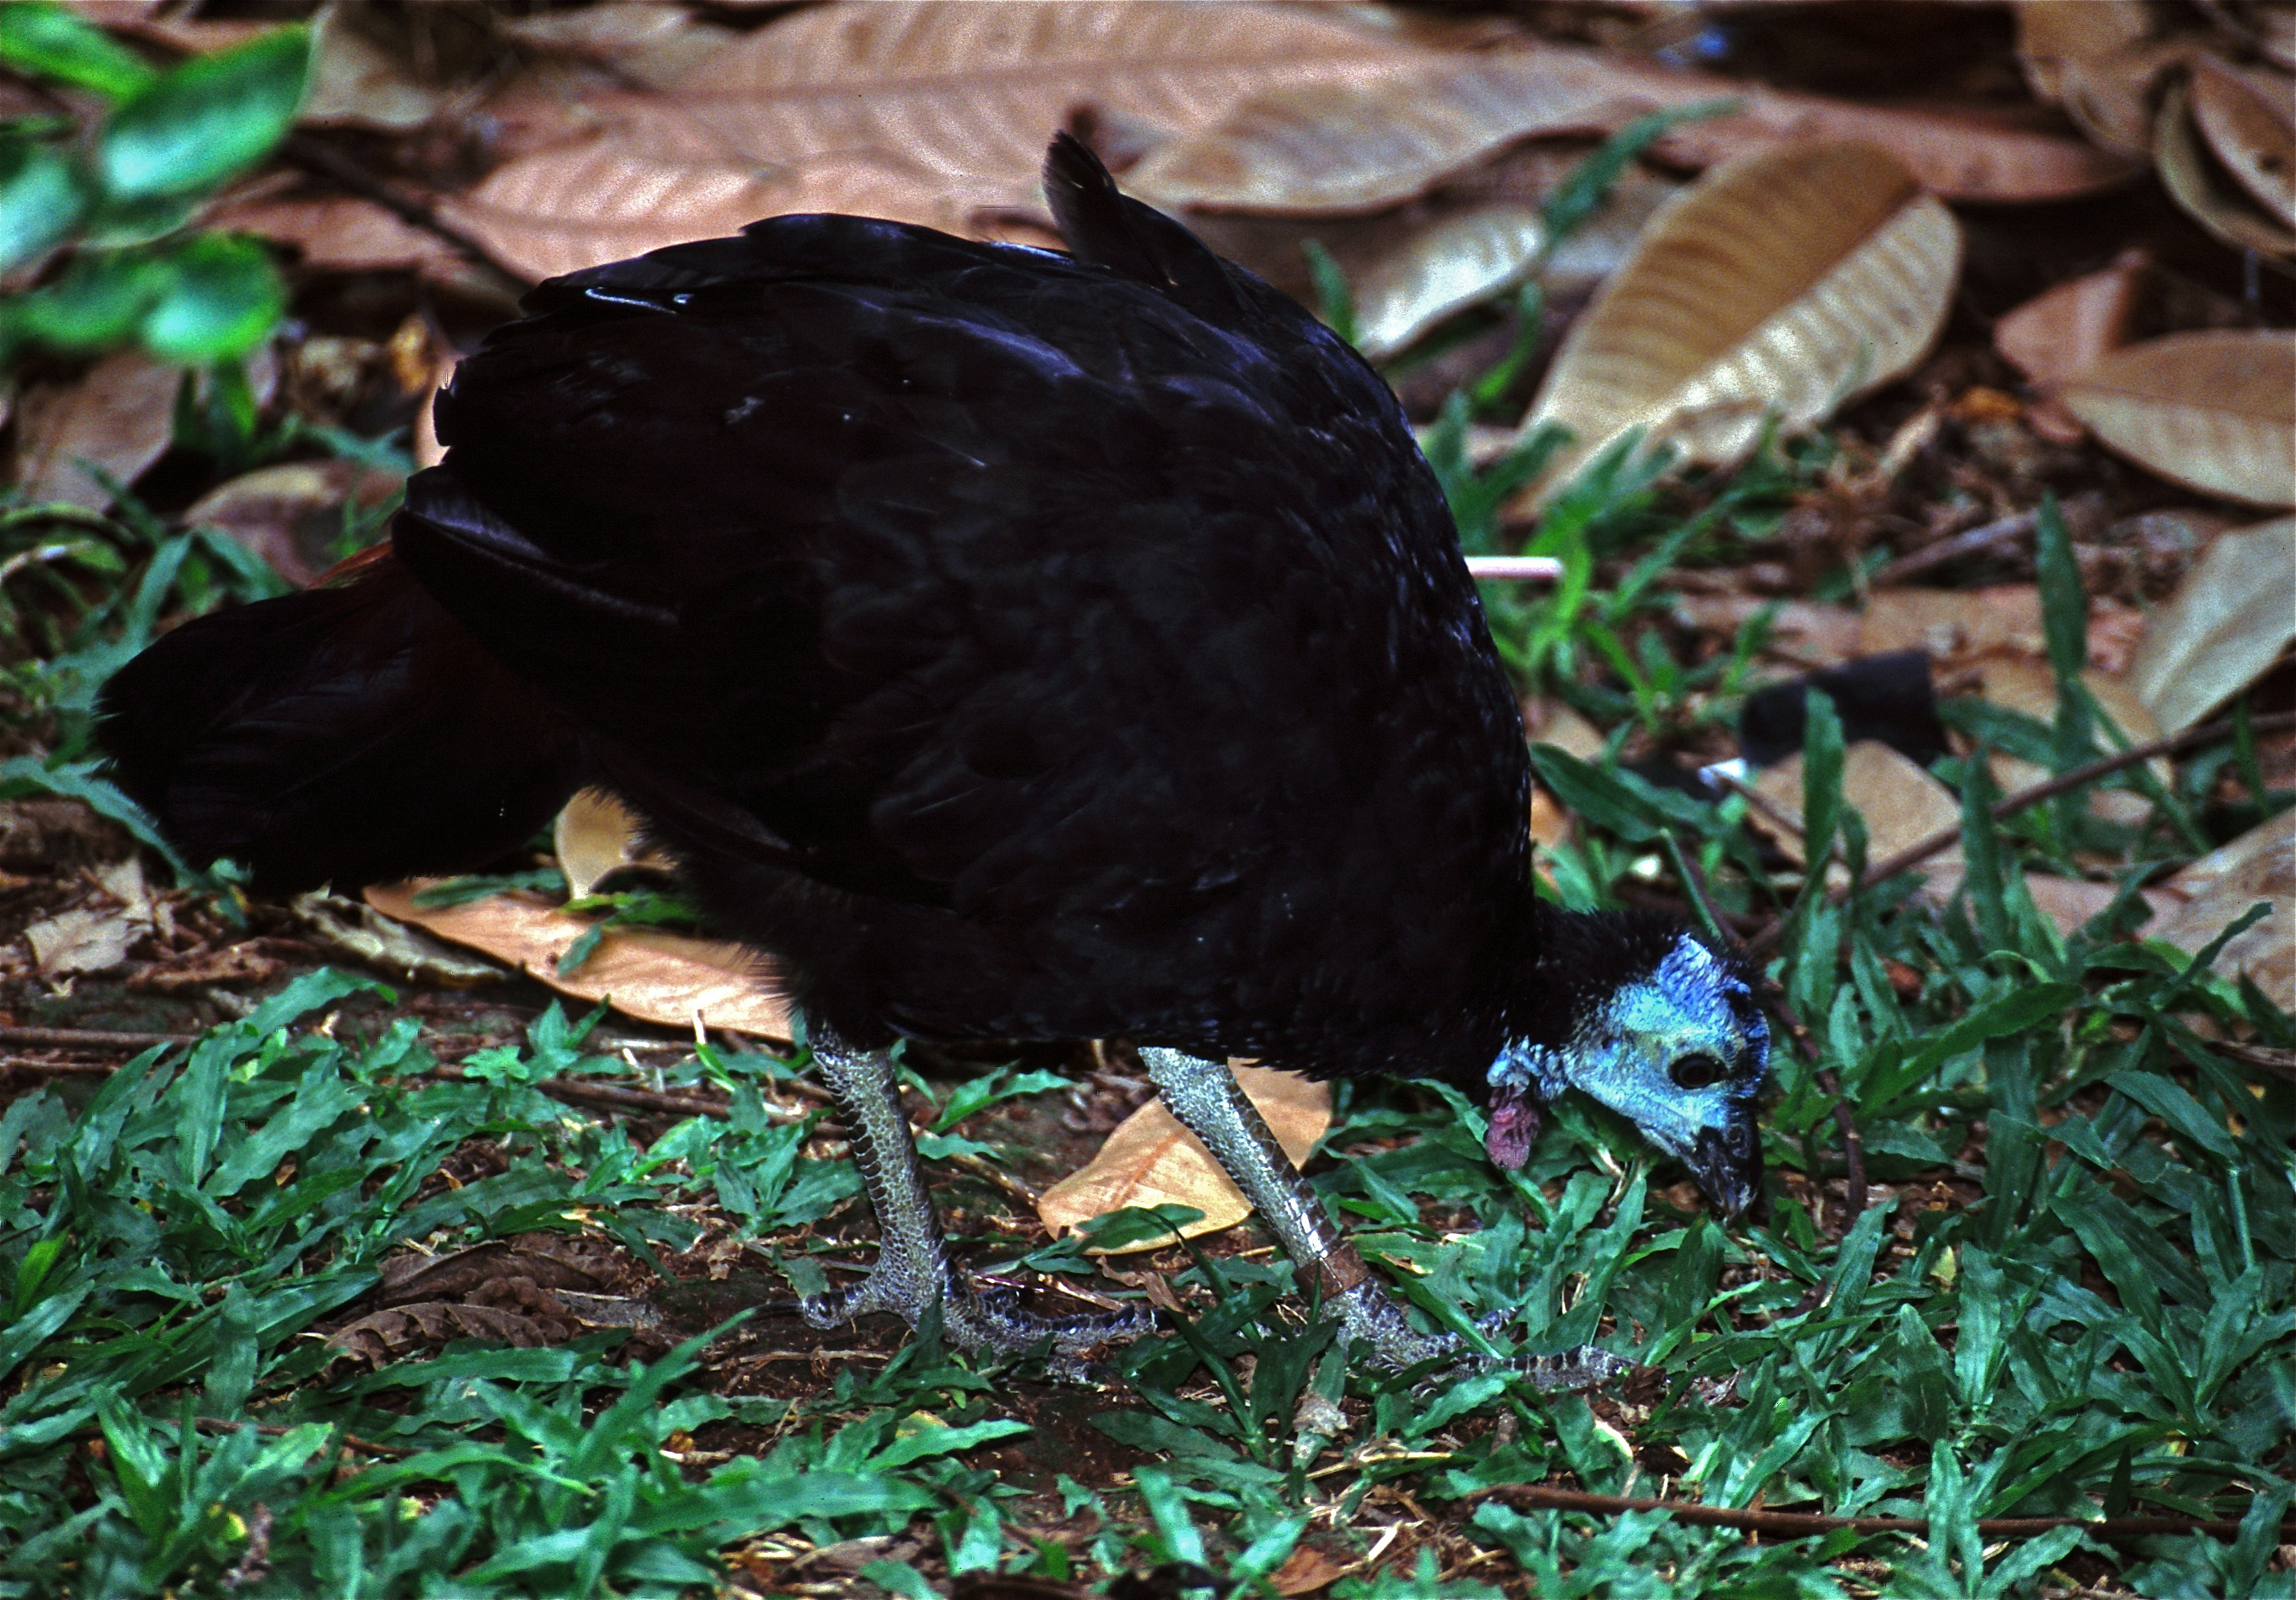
{"points": [[1673, 1043]]}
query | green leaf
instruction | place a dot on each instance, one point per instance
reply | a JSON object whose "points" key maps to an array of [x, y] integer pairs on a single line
{"points": [[39, 200], [225, 297], [1584, 189], [98, 301], [190, 129], [2013, 1013], [47, 41]]}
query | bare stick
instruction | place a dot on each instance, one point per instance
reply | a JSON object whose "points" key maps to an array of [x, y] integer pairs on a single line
{"points": [[1960, 545]]}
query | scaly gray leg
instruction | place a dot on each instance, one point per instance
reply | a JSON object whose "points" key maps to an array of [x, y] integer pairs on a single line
{"points": [[1204, 1095], [913, 1274]]}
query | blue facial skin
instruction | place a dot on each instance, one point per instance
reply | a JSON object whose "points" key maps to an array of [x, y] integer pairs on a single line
{"points": [[1681, 1053]]}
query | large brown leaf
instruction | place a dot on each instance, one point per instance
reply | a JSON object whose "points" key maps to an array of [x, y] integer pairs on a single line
{"points": [[118, 417], [2226, 624], [641, 972], [2214, 411], [1778, 286], [1152, 1161]]}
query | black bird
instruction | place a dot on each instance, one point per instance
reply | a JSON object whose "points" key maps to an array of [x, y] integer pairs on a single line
{"points": [[1017, 646]]}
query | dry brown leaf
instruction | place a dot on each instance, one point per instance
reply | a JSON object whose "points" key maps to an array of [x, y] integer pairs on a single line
{"points": [[1386, 132], [292, 515], [2249, 119], [2196, 182], [2214, 411], [384, 1336], [94, 937], [1152, 1161], [2228, 622], [2020, 683], [643, 972], [2056, 334], [1779, 285], [1950, 624], [653, 44], [2260, 865], [596, 834], [119, 416], [343, 233], [1900, 804]]}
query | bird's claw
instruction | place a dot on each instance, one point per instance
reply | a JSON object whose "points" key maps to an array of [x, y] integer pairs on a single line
{"points": [[971, 1319]]}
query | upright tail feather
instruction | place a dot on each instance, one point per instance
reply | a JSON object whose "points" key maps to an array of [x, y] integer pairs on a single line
{"points": [[354, 734]]}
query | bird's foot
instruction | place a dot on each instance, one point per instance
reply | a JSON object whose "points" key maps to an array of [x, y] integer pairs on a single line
{"points": [[972, 1319], [1371, 1319]]}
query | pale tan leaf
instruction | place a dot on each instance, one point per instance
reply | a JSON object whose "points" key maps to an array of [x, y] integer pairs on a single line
{"points": [[596, 834], [2021, 682], [2071, 902], [357, 81], [2260, 865], [2249, 119], [641, 972], [1395, 125], [117, 416], [95, 936], [653, 44], [609, 198], [2056, 334], [1900, 803], [342, 232], [1152, 1161], [1454, 263], [2227, 623], [1778, 286], [1952, 625], [2214, 411], [971, 92], [2098, 59], [1387, 132]]}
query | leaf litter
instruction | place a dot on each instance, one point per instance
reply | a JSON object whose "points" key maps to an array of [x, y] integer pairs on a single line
{"points": [[715, 1189]]}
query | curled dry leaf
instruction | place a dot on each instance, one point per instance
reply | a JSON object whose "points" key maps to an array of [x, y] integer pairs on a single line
{"points": [[1453, 264], [364, 935], [1778, 286], [94, 937], [596, 834], [2226, 625], [2260, 865], [2056, 334], [641, 972], [357, 81], [2214, 411], [2198, 182], [2099, 60], [651, 44], [2249, 119], [1152, 1161]]}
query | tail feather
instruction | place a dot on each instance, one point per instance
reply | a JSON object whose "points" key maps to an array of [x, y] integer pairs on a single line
{"points": [[354, 734]]}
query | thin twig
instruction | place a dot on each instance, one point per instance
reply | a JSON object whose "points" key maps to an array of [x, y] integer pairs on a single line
{"points": [[315, 155], [349, 1442], [91, 1039], [1802, 1524], [1960, 545], [1913, 855]]}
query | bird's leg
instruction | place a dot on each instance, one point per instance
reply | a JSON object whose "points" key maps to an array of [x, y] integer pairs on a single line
{"points": [[1203, 1095], [913, 1274]]}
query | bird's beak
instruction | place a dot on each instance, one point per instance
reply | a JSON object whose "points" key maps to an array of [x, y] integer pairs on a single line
{"points": [[1728, 1166]]}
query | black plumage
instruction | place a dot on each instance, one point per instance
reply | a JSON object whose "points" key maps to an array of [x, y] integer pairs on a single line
{"points": [[1016, 645]]}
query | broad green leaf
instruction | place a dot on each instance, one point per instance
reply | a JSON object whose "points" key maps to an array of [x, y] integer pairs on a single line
{"points": [[223, 297], [195, 126], [41, 40], [39, 201]]}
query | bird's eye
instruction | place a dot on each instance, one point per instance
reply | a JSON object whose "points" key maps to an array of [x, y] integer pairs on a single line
{"points": [[1695, 1071]]}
